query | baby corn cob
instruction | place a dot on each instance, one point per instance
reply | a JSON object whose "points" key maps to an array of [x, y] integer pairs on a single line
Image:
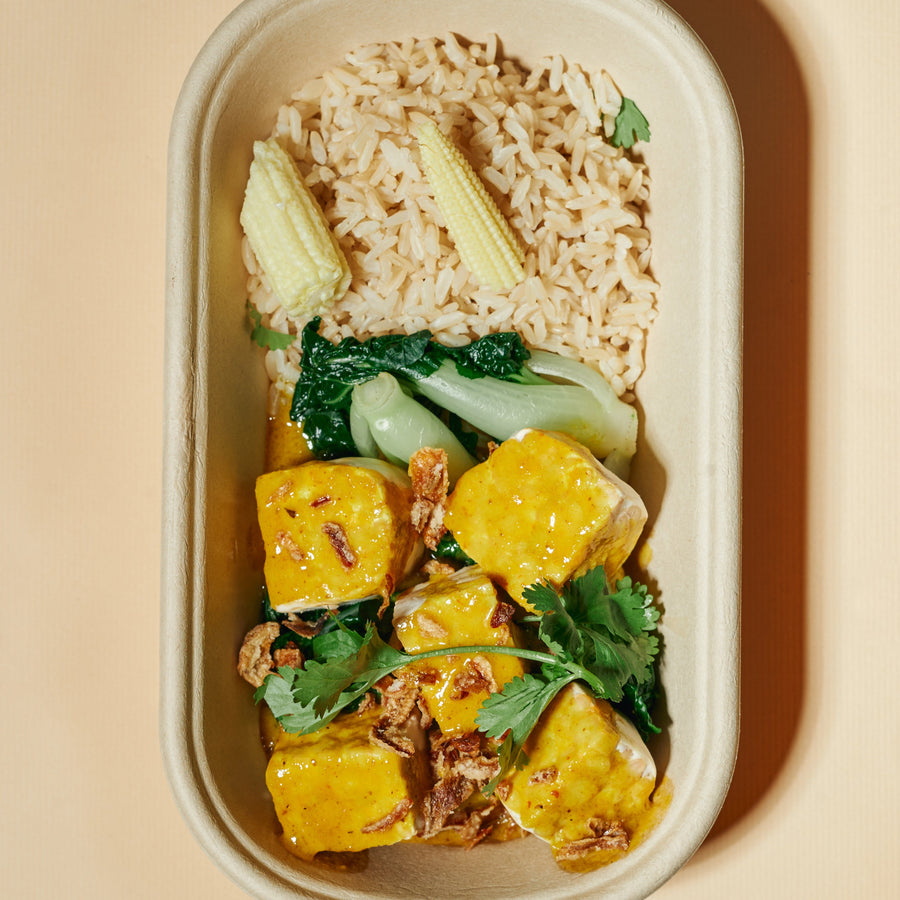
{"points": [[486, 243], [289, 235]]}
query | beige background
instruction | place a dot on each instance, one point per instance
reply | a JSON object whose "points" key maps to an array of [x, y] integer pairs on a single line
{"points": [[87, 90]]}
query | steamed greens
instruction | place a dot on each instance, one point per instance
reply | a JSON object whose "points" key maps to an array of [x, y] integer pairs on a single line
{"points": [[397, 426], [494, 384]]}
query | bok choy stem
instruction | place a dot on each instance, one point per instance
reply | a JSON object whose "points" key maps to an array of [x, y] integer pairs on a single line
{"points": [[620, 418], [400, 425], [502, 408], [361, 433]]}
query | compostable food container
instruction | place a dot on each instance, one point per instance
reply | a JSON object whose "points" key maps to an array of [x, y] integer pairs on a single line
{"points": [[687, 467]]}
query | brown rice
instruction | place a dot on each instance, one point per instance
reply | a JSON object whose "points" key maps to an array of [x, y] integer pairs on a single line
{"points": [[539, 140]]}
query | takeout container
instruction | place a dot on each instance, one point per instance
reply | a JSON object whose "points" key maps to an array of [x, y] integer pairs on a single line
{"points": [[687, 468]]}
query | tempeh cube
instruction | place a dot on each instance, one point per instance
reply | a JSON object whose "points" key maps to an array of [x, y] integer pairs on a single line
{"points": [[335, 790], [586, 785], [457, 610], [335, 532], [541, 507]]}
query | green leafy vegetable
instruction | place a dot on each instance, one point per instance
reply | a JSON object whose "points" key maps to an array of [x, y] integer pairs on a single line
{"points": [[399, 425], [355, 617], [631, 125], [638, 702], [329, 371], [620, 418], [267, 338], [502, 408], [322, 395], [489, 384], [600, 637], [448, 548], [500, 355]]}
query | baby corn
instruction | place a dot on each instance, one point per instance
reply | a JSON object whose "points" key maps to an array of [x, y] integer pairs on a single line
{"points": [[486, 243], [289, 234]]}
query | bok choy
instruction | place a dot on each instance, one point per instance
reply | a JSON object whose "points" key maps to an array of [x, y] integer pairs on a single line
{"points": [[399, 425], [495, 384]]}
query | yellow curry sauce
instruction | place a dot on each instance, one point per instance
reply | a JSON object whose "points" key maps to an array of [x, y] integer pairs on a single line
{"points": [[285, 444]]}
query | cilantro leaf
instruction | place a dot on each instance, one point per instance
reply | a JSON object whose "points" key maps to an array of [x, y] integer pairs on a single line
{"points": [[378, 659], [304, 700], [558, 624], [631, 125], [337, 643], [295, 713], [516, 707], [605, 632], [267, 338], [514, 712], [333, 680]]}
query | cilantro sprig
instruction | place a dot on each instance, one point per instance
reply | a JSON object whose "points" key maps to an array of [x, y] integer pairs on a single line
{"points": [[608, 632], [601, 637]]}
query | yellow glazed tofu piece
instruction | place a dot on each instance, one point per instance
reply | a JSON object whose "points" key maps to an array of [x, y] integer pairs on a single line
{"points": [[334, 790], [335, 532], [586, 786], [542, 507], [457, 610]]}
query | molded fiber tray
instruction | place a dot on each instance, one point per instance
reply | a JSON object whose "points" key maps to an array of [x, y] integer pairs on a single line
{"points": [[687, 468]]}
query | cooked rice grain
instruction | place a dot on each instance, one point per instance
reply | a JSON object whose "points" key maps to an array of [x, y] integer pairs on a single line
{"points": [[539, 141]]}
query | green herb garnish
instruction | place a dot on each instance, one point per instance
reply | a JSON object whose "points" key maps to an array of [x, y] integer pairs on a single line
{"points": [[267, 338], [631, 125], [599, 637]]}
